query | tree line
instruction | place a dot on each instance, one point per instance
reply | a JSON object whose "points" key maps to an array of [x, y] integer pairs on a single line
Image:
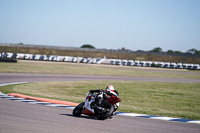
{"points": [[192, 51]]}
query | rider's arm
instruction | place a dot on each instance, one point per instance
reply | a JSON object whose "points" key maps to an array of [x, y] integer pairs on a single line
{"points": [[110, 94], [117, 92]]}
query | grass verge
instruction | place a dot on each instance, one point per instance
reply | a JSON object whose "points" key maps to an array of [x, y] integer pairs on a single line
{"points": [[153, 98], [93, 69]]}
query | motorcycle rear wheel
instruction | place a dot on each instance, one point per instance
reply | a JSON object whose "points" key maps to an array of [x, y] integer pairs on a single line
{"points": [[78, 109], [108, 113]]}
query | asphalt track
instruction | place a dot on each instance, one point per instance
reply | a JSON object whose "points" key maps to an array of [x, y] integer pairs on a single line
{"points": [[19, 117]]}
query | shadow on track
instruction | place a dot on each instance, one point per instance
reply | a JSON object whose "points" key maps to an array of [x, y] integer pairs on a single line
{"points": [[82, 116]]}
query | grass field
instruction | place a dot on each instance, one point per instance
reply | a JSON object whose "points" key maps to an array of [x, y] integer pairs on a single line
{"points": [[93, 69], [153, 98]]}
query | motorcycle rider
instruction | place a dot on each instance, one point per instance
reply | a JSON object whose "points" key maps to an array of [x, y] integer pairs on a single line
{"points": [[109, 91]]}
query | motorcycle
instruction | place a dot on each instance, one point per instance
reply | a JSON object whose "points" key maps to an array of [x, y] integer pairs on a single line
{"points": [[106, 110]]}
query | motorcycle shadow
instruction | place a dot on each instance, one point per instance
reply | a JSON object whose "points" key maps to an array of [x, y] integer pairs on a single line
{"points": [[82, 116]]}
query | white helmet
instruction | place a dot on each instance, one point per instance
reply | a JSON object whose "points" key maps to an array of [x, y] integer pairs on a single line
{"points": [[110, 88]]}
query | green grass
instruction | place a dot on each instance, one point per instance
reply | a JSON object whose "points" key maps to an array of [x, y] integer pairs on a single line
{"points": [[179, 100], [88, 69]]}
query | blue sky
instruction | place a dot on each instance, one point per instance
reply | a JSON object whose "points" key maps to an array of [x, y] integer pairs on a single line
{"points": [[110, 24]]}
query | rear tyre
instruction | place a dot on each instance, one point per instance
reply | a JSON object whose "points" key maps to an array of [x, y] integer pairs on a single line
{"points": [[108, 113], [78, 109]]}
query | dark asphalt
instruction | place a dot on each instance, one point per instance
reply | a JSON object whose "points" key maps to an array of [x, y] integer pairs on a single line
{"points": [[20, 77], [19, 117]]}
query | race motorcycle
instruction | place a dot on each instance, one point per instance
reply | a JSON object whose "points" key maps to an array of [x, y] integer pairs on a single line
{"points": [[106, 110]]}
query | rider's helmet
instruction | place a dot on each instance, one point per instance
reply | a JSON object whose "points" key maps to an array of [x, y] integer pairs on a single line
{"points": [[110, 88]]}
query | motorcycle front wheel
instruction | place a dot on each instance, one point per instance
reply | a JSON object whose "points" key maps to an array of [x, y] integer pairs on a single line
{"points": [[108, 113], [78, 109]]}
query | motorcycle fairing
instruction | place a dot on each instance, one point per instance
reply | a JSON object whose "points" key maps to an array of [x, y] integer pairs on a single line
{"points": [[87, 107]]}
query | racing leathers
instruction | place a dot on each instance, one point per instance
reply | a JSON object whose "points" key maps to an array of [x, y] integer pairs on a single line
{"points": [[103, 94]]}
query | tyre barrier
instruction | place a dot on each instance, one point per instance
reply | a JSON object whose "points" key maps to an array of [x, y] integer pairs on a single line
{"points": [[89, 60]]}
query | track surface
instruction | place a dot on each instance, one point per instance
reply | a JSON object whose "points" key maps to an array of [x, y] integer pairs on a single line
{"points": [[18, 117], [21, 77]]}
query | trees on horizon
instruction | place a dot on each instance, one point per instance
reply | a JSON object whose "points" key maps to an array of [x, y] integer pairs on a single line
{"points": [[192, 51]]}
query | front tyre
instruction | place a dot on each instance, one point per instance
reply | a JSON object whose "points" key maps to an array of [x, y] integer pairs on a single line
{"points": [[78, 109], [108, 113]]}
